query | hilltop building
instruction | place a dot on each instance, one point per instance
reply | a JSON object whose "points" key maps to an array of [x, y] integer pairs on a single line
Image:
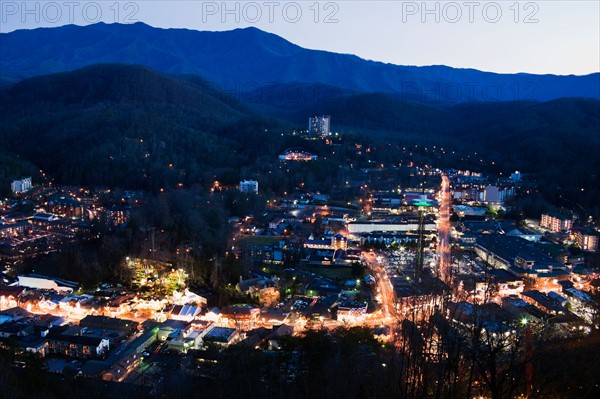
{"points": [[319, 125], [19, 186], [515, 176]]}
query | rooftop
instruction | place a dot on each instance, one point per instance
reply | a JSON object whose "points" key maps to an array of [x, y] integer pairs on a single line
{"points": [[219, 334]]}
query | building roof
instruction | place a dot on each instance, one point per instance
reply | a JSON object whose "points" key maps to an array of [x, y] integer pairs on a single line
{"points": [[106, 322], [239, 310], [504, 276], [586, 231], [509, 248], [557, 215], [16, 312], [544, 300], [186, 310], [93, 368], [220, 334], [75, 339]]}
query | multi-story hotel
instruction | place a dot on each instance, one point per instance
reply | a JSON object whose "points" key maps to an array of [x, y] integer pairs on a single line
{"points": [[556, 222], [587, 239]]}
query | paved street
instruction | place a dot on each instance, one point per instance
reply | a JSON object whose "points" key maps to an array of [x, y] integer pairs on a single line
{"points": [[444, 228]]}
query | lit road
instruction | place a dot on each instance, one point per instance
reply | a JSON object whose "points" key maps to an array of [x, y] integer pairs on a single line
{"points": [[444, 229], [384, 289]]}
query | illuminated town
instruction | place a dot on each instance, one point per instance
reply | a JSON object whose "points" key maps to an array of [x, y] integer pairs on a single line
{"points": [[381, 256], [227, 214]]}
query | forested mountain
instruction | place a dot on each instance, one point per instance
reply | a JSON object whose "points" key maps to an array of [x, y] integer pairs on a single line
{"points": [[248, 58], [129, 126], [121, 125]]}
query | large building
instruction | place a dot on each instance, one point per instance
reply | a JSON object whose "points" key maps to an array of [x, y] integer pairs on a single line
{"points": [[587, 239], [337, 241], [520, 257], [497, 195], [319, 125], [400, 225], [556, 222], [65, 205], [118, 215], [19, 186], [249, 186], [77, 346]]}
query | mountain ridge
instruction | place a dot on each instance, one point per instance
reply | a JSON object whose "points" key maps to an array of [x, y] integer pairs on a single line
{"points": [[250, 56]]}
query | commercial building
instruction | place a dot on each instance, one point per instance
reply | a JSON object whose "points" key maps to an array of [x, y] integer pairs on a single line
{"points": [[464, 210], [77, 346], [336, 241], [249, 186], [351, 311], [370, 226], [518, 256], [109, 323], [242, 316], [222, 336], [543, 302], [46, 283], [556, 222]]}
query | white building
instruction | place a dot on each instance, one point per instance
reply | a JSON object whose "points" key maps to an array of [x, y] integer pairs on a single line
{"points": [[19, 186], [45, 283], [371, 226], [249, 186], [319, 125], [497, 195]]}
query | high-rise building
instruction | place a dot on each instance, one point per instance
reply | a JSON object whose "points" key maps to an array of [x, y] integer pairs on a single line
{"points": [[19, 186], [249, 186], [319, 125]]}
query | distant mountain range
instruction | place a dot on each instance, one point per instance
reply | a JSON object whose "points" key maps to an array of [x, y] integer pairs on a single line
{"points": [[245, 60]]}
